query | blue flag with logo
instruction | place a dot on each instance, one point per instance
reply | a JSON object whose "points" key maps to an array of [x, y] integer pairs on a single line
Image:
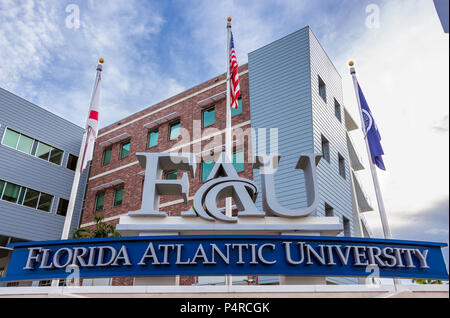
{"points": [[371, 132]]}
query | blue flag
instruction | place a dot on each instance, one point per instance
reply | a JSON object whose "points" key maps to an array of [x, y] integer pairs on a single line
{"points": [[371, 132]]}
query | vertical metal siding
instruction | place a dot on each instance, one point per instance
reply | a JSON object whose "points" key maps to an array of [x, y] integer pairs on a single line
{"points": [[28, 171]]}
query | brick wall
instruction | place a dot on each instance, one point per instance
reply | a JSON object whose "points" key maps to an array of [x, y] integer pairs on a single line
{"points": [[187, 111]]}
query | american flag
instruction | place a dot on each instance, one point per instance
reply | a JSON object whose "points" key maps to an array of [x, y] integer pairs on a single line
{"points": [[235, 90]]}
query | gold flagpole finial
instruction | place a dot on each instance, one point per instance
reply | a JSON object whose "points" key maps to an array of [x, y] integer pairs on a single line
{"points": [[229, 19], [101, 60], [351, 63]]}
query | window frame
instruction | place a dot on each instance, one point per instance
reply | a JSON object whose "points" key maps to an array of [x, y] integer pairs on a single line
{"points": [[171, 124], [148, 138], [240, 102], [341, 166], [202, 167], [321, 83], [104, 155], [336, 106], [169, 172], [97, 195], [323, 138], [60, 200], [121, 149], [115, 193], [203, 117], [68, 160]]}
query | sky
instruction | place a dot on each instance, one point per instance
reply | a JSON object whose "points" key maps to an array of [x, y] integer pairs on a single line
{"points": [[155, 49]]}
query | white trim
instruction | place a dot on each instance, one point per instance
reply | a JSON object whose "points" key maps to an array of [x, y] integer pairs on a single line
{"points": [[167, 106], [262, 290], [169, 150]]}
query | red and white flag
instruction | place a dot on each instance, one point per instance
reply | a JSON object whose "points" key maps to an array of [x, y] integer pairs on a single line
{"points": [[235, 90], [92, 122]]}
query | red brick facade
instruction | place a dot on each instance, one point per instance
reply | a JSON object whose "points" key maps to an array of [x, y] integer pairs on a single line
{"points": [[187, 111]]}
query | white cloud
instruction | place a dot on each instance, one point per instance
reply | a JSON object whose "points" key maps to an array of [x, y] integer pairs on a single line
{"points": [[403, 69]]}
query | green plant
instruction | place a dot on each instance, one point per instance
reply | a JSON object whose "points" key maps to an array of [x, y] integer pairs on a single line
{"points": [[101, 229], [423, 281]]}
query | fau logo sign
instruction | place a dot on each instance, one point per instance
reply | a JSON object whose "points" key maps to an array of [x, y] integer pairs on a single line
{"points": [[223, 181]]}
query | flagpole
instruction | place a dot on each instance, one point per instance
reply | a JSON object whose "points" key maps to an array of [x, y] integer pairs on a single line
{"points": [[228, 135], [76, 179], [380, 202]]}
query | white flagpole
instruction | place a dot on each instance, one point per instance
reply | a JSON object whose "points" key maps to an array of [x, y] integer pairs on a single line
{"points": [[381, 209], [373, 170], [76, 179], [228, 135]]}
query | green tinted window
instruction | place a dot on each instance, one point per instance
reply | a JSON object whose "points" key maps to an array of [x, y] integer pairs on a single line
{"points": [[208, 117], [11, 138], [56, 156], [107, 156], [174, 130], [125, 150], [238, 161], [45, 202], [43, 151], [118, 197], [206, 169], [11, 192], [31, 198], [237, 111], [2, 185], [171, 175], [152, 138], [99, 201], [21, 195], [25, 144]]}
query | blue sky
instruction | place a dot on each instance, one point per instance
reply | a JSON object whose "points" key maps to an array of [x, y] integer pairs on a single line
{"points": [[155, 49]]}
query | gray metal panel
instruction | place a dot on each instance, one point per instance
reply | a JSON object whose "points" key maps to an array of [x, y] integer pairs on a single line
{"points": [[334, 189], [28, 171], [280, 96]]}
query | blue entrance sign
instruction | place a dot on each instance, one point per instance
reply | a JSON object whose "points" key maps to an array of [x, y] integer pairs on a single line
{"points": [[226, 254]]}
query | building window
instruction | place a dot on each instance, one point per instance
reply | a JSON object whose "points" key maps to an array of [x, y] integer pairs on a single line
{"points": [[238, 111], [171, 175], [32, 147], [63, 204], [2, 186], [341, 166], [238, 160], [207, 167], [125, 149], [325, 149], [118, 196], [208, 117], [31, 198], [152, 139], [322, 90], [25, 196], [107, 156], [99, 201], [174, 130], [347, 230], [72, 162], [337, 110], [329, 211], [45, 202], [11, 192], [11, 138]]}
